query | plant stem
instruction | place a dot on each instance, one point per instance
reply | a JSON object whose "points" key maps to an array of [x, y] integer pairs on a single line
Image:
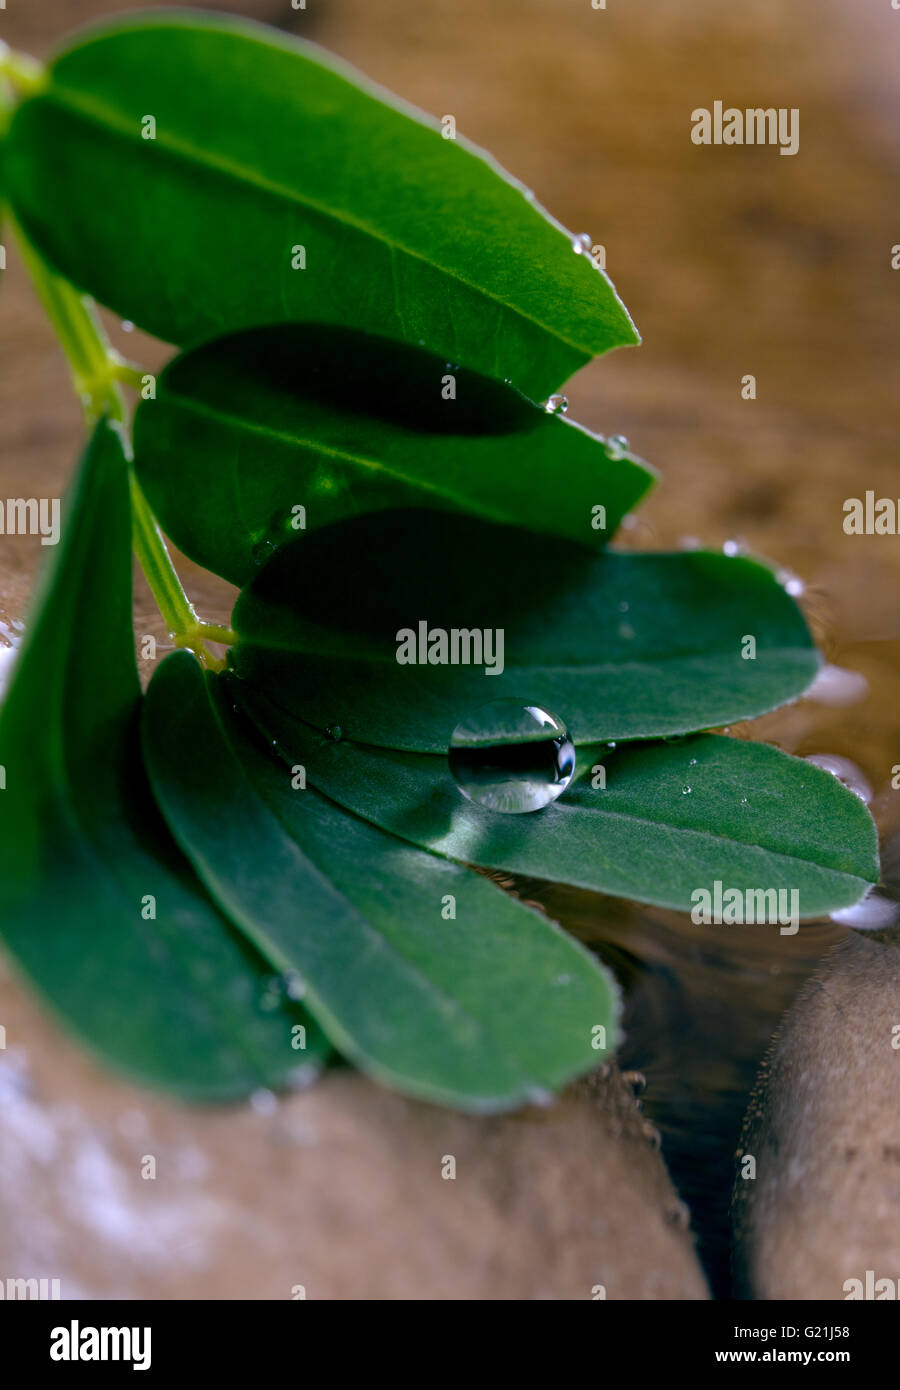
{"points": [[24, 73], [96, 372]]}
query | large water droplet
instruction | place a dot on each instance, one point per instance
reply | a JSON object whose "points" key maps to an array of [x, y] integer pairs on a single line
{"points": [[511, 757], [556, 405], [582, 245], [836, 686], [876, 912], [617, 445]]}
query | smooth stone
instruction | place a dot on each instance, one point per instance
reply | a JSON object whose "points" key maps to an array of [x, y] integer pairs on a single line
{"points": [[337, 1189], [824, 1127]]}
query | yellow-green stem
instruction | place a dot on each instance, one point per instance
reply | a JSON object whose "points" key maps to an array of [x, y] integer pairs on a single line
{"points": [[96, 372]]}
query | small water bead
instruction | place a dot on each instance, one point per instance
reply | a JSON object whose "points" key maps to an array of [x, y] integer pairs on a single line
{"points": [[790, 582], [686, 791], [127, 326], [263, 1102], [617, 445], [556, 405], [582, 245], [511, 758], [293, 984], [334, 732]]}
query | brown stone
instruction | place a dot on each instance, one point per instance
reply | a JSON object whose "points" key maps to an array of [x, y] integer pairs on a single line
{"points": [[824, 1128]]}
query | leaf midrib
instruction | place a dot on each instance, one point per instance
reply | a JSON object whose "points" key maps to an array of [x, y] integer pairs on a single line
{"points": [[241, 423], [562, 808], [370, 930], [108, 119]]}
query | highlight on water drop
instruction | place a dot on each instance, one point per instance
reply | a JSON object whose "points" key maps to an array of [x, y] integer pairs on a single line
{"points": [[511, 757]]}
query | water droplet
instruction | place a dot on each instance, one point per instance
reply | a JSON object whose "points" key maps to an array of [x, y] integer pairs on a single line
{"points": [[334, 732], [556, 405], [686, 791], [510, 757], [743, 801], [293, 984], [693, 762], [790, 582], [271, 998], [651, 1134], [845, 771], [875, 912], [127, 326], [582, 245], [617, 445], [680, 1214], [836, 686], [733, 547], [263, 1102], [263, 551]]}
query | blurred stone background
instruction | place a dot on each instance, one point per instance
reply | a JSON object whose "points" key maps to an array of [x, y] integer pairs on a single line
{"points": [[732, 260]]}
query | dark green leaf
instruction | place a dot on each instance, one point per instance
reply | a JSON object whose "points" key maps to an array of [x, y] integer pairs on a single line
{"points": [[267, 152], [483, 1011], [619, 646], [250, 427], [174, 1001], [671, 819]]}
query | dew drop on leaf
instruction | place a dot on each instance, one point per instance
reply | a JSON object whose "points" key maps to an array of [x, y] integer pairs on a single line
{"points": [[510, 757], [556, 405]]}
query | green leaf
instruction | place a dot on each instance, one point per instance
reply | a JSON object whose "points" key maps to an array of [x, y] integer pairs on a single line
{"points": [[173, 1001], [484, 1011], [619, 646], [671, 819], [268, 152], [251, 426]]}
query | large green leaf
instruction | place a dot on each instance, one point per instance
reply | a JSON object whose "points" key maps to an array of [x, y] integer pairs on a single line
{"points": [[619, 646], [178, 1001], [263, 145], [339, 423], [671, 818], [484, 1010]]}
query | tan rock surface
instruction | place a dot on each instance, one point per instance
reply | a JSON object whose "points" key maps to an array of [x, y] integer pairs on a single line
{"points": [[338, 1189], [824, 1127]]}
